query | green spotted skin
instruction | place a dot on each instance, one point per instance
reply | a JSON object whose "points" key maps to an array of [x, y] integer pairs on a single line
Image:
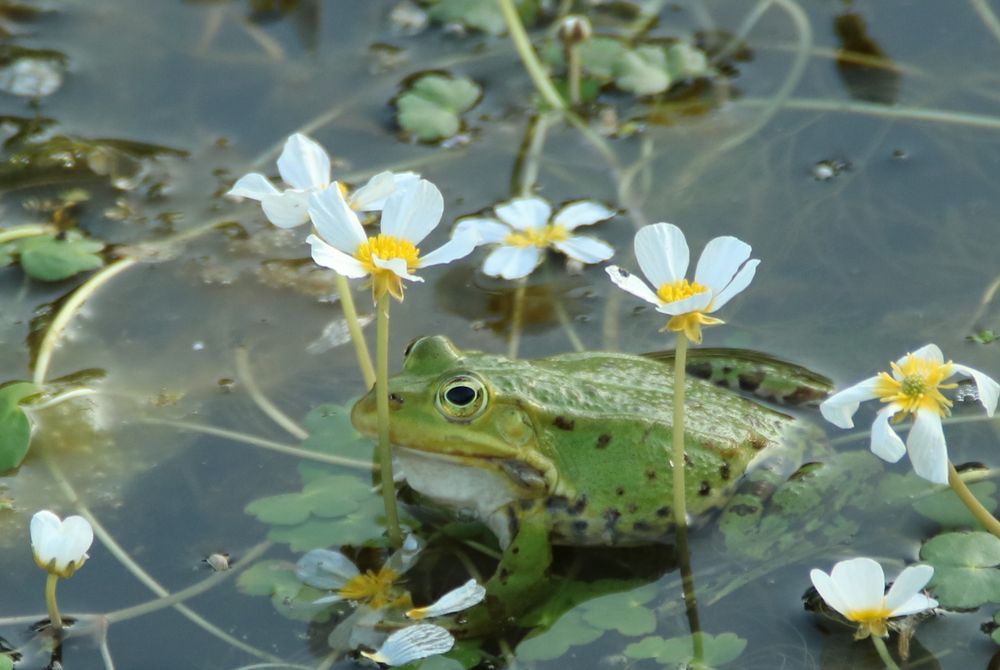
{"points": [[578, 444]]}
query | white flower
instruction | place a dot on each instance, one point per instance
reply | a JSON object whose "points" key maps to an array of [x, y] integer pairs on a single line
{"points": [[913, 388], [408, 217], [305, 166], [412, 643], [526, 228], [465, 596], [331, 570], [724, 270], [60, 547], [856, 589]]}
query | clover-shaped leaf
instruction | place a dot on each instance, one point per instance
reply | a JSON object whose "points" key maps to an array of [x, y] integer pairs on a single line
{"points": [[965, 568], [358, 527], [685, 61], [324, 496], [569, 631], [947, 509], [678, 652], [643, 71], [623, 612], [54, 258], [289, 595], [479, 15], [599, 55], [429, 109], [15, 425]]}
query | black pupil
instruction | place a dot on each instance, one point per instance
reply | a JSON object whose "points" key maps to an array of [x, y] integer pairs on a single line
{"points": [[460, 395]]}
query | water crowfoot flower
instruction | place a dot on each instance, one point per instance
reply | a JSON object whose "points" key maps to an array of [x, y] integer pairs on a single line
{"points": [[856, 589], [525, 228], [912, 388], [60, 548], [305, 166], [724, 270], [412, 643]]}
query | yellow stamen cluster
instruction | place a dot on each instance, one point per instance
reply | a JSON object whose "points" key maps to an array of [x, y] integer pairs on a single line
{"points": [[679, 290], [537, 237], [373, 588], [918, 386], [873, 621], [387, 247]]}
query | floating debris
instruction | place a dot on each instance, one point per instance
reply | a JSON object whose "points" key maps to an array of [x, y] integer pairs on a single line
{"points": [[827, 169], [31, 78]]}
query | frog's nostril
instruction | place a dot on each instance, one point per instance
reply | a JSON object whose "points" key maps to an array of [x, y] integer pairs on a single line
{"points": [[395, 400]]}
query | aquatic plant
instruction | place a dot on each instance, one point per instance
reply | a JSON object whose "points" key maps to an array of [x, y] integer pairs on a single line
{"points": [[60, 548]]}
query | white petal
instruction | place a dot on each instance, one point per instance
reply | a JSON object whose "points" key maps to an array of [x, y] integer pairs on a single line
{"points": [[917, 603], [490, 231], [303, 163], [286, 210], [885, 443], [372, 196], [828, 590], [839, 408], [326, 569], [44, 528], [253, 186], [465, 596], [907, 585], [459, 246], [413, 643], [335, 221], [737, 285], [719, 262], [582, 213], [585, 249], [524, 213], [928, 451], [629, 282], [335, 259], [930, 352], [412, 213], [77, 535], [861, 583], [696, 303], [511, 262], [396, 266], [662, 253], [989, 390]]}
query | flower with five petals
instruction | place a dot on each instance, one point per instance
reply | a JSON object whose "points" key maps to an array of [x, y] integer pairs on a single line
{"points": [[724, 270], [912, 388]]}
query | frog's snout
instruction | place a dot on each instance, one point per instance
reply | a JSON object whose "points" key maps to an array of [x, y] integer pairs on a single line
{"points": [[363, 414]]}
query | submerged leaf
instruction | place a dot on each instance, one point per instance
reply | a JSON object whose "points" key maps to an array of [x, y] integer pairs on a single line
{"points": [[569, 631], [52, 258], [430, 108], [965, 568], [643, 71], [678, 652], [480, 15], [947, 509], [15, 426], [290, 597]]}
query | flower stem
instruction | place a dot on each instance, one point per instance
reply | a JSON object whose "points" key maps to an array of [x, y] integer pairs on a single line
{"points": [[50, 602], [382, 408], [516, 319], [982, 515], [680, 361], [528, 57], [574, 67], [351, 315], [27, 230], [883, 653]]}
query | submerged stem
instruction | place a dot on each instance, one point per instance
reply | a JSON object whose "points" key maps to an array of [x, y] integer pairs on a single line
{"points": [[354, 327], [50, 601], [28, 230], [982, 515], [382, 407], [516, 319], [529, 58], [680, 360], [883, 653]]}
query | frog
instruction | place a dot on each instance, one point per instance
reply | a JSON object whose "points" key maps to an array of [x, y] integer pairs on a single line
{"points": [[571, 449]]}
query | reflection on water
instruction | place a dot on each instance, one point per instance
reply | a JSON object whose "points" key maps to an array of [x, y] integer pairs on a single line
{"points": [[141, 117]]}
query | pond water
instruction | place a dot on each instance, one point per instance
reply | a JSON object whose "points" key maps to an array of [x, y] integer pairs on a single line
{"points": [[853, 144]]}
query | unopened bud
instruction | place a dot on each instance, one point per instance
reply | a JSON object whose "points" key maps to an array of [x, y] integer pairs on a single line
{"points": [[575, 29]]}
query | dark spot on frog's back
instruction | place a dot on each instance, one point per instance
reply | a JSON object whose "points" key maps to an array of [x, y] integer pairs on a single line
{"points": [[725, 472], [580, 526], [704, 489], [758, 442], [663, 512], [642, 527], [651, 474], [395, 401], [562, 423], [620, 490], [743, 509], [603, 441]]}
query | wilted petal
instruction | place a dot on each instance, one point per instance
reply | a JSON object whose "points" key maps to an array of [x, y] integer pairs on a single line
{"points": [[335, 259], [585, 249], [839, 408], [696, 303], [902, 594], [489, 231], [412, 643], [927, 448], [524, 213], [465, 596], [396, 266], [885, 443], [326, 569], [457, 247], [303, 163], [861, 583], [582, 213], [254, 186], [629, 282], [989, 390], [511, 262], [662, 253], [719, 261], [335, 221], [737, 285], [286, 210], [412, 213]]}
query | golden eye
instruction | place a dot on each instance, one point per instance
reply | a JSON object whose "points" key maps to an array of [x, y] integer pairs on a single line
{"points": [[462, 398]]}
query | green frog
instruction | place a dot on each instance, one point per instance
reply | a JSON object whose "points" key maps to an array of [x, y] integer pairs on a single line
{"points": [[573, 449]]}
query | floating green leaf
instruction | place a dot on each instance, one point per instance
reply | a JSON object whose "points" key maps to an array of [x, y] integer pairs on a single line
{"points": [[6, 662], [599, 55], [643, 71], [7, 253], [430, 108], [965, 568], [15, 426], [623, 612], [569, 631], [480, 15], [685, 61], [677, 652], [984, 336], [289, 596], [54, 258], [947, 509], [329, 496]]}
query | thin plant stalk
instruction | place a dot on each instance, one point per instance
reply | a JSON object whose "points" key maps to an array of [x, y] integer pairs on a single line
{"points": [[50, 602], [573, 66], [516, 319], [27, 230], [680, 361], [690, 597], [354, 328], [382, 407], [529, 58], [883, 653], [982, 515]]}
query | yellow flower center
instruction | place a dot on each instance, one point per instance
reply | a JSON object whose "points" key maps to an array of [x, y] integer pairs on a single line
{"points": [[873, 621], [387, 247], [918, 387], [537, 237], [680, 290], [373, 588]]}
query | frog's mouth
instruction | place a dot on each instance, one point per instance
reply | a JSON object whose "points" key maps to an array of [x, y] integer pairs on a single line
{"points": [[522, 479]]}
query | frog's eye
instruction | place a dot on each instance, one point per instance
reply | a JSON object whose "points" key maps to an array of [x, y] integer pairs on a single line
{"points": [[461, 398]]}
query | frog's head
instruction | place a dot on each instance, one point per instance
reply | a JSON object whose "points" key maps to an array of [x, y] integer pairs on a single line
{"points": [[450, 409]]}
